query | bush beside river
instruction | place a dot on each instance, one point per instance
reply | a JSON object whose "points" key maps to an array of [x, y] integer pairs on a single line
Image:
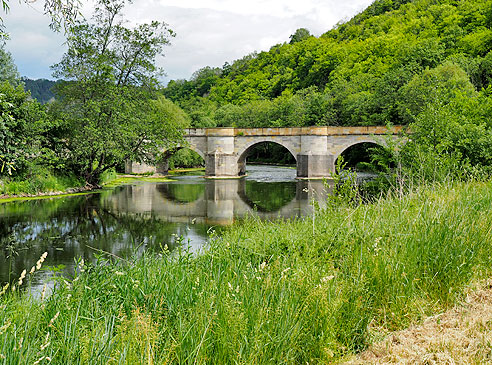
{"points": [[313, 290]]}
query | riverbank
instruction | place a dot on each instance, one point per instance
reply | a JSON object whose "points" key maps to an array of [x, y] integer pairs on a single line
{"points": [[461, 335], [113, 181], [314, 290]]}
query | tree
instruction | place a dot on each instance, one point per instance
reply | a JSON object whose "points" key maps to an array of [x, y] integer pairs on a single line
{"points": [[21, 122], [106, 101], [8, 69], [299, 35], [62, 12]]}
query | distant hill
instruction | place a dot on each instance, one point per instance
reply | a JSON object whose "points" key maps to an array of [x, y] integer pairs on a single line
{"points": [[41, 89]]}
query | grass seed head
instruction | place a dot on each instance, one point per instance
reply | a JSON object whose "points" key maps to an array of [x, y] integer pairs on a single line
{"points": [[4, 290]]}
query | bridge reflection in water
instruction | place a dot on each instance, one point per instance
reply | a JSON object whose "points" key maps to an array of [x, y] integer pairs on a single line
{"points": [[218, 202]]}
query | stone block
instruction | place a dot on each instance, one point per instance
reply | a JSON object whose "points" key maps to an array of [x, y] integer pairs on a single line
{"points": [[314, 166]]}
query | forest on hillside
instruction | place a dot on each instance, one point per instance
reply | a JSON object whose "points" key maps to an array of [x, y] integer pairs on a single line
{"points": [[383, 66], [40, 89], [423, 63]]}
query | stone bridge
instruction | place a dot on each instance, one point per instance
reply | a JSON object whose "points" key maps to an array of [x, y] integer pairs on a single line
{"points": [[315, 149]]}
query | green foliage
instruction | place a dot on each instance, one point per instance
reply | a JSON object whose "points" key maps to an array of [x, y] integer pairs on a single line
{"points": [[21, 122], [40, 180], [40, 89], [278, 292], [433, 87], [185, 158], [108, 108], [299, 35], [8, 69], [378, 67], [62, 13]]}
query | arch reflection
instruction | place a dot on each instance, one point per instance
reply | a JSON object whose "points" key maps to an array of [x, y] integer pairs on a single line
{"points": [[220, 202]]}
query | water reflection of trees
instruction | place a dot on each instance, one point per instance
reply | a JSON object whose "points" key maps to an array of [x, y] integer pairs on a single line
{"points": [[182, 192], [266, 197], [74, 227]]}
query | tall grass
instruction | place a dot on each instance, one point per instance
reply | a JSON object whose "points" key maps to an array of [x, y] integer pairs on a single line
{"points": [[40, 181], [281, 292]]}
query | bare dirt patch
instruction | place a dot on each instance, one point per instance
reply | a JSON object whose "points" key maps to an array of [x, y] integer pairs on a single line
{"points": [[462, 335]]}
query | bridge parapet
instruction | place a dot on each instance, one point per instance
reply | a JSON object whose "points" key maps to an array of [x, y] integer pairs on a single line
{"points": [[292, 131]]}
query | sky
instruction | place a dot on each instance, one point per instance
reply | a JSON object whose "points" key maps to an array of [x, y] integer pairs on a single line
{"points": [[208, 32]]}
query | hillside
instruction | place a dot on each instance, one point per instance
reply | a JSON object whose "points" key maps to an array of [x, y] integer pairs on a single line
{"points": [[40, 89], [359, 73]]}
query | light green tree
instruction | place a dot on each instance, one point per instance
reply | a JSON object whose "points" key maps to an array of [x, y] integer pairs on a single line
{"points": [[63, 13], [106, 102]]}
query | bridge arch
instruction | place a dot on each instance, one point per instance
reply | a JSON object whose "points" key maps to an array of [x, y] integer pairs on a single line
{"points": [[344, 148], [163, 166], [171, 151], [244, 149]]}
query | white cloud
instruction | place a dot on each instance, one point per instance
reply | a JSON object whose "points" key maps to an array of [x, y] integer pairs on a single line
{"points": [[209, 32]]}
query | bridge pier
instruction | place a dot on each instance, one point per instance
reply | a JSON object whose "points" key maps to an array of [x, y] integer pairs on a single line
{"points": [[314, 160], [221, 161], [221, 165], [314, 166]]}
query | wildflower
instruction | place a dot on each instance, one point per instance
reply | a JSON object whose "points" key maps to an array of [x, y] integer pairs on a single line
{"points": [[327, 278], [13, 288], [263, 265], [41, 260], [38, 361], [32, 270], [5, 327], [21, 278], [46, 342], [81, 265]]}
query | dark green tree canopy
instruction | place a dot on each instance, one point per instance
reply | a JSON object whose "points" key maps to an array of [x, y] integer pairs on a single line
{"points": [[299, 35]]}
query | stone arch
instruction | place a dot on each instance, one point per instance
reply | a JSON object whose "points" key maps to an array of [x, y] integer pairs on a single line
{"points": [[243, 150], [376, 141], [163, 166], [180, 146]]}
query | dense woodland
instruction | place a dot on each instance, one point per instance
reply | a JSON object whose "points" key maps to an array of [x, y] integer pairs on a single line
{"points": [[375, 69], [424, 63], [40, 89]]}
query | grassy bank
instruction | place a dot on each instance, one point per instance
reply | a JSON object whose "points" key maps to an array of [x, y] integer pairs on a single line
{"points": [[38, 183], [312, 290]]}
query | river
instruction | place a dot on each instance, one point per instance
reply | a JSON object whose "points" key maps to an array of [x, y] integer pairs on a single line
{"points": [[126, 220]]}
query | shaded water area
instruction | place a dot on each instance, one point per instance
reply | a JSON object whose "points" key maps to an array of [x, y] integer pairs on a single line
{"points": [[126, 220]]}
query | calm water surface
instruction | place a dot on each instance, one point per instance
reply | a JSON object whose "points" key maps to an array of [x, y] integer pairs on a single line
{"points": [[128, 219]]}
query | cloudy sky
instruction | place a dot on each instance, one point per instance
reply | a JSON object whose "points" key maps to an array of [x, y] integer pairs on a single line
{"points": [[209, 32]]}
